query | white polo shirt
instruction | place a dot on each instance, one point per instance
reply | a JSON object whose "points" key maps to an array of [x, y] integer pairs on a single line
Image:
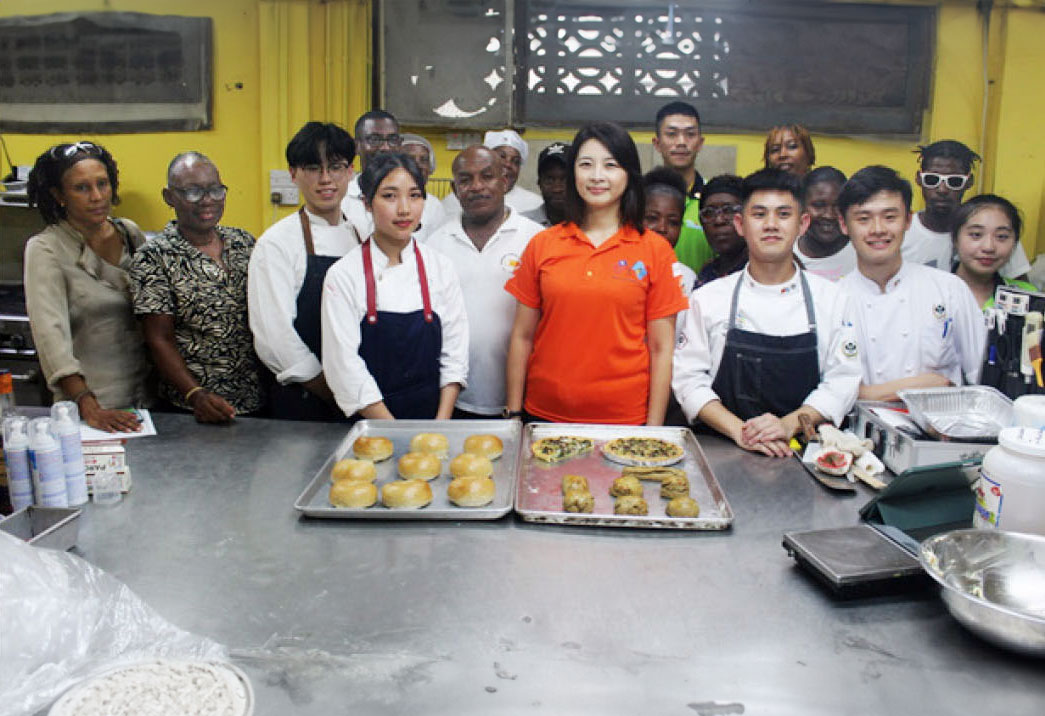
{"points": [[432, 217], [926, 321], [522, 200], [773, 310], [491, 309], [935, 248]]}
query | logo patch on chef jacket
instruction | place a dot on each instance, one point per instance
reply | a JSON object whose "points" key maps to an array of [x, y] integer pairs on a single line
{"points": [[939, 311], [849, 349], [510, 262]]}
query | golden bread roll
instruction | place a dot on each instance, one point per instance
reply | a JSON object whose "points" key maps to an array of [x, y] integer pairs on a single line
{"points": [[468, 465], [471, 491], [626, 485], [431, 443], [353, 493], [373, 448], [406, 494], [574, 482], [419, 465], [489, 446], [683, 507], [630, 505], [674, 486], [353, 470], [578, 501]]}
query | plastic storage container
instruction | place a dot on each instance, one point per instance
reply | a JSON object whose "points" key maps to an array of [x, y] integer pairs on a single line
{"points": [[1010, 494]]}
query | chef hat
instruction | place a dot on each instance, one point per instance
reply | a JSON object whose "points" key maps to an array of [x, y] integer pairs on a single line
{"points": [[418, 139], [508, 137]]}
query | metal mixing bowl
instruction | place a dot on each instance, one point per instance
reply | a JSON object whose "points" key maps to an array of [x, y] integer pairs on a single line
{"points": [[993, 582]]}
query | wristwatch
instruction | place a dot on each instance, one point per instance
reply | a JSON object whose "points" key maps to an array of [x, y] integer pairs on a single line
{"points": [[508, 414]]}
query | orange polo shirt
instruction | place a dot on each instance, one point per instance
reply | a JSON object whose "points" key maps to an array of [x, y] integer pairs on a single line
{"points": [[590, 360]]}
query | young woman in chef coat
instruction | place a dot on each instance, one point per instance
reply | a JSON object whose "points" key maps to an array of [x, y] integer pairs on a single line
{"points": [[395, 332]]}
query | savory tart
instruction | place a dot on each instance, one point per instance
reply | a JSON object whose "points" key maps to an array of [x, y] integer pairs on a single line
{"points": [[561, 447], [643, 451]]}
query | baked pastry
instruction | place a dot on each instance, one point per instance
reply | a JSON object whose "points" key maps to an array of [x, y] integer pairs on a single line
{"points": [[578, 501], [468, 465], [431, 443], [626, 485], [834, 462], [643, 451], [561, 447], [353, 470], [630, 505], [489, 446], [674, 486], [471, 491], [574, 482], [353, 493], [406, 494], [653, 474], [373, 448], [683, 507], [419, 465]]}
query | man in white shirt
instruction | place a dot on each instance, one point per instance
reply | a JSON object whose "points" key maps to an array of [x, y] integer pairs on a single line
{"points": [[551, 180], [513, 151], [286, 271], [918, 327], [764, 346], [944, 175], [484, 244], [420, 150], [823, 249]]}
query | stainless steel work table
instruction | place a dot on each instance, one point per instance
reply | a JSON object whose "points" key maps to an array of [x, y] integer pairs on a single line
{"points": [[343, 617]]}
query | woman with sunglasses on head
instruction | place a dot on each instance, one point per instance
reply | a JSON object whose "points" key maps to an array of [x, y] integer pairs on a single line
{"points": [[190, 291], [395, 331], [77, 288], [596, 298], [986, 232]]}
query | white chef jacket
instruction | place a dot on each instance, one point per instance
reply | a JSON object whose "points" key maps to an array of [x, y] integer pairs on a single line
{"points": [[491, 309], [519, 199], [777, 310], [926, 321], [432, 217], [398, 291], [274, 278], [935, 248], [831, 267]]}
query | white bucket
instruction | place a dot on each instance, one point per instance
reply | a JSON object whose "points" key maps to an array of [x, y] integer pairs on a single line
{"points": [[1010, 494]]}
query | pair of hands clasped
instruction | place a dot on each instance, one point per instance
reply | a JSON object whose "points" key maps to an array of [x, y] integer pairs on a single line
{"points": [[766, 434]]}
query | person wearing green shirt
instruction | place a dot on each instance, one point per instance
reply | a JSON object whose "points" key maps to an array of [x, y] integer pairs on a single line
{"points": [[678, 140]]}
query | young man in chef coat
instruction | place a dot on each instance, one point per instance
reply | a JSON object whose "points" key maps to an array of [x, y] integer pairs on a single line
{"points": [[918, 327], [513, 151], [484, 244], [287, 268], [765, 345]]}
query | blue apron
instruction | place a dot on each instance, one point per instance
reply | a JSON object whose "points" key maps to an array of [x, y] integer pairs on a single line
{"points": [[767, 374], [292, 401], [401, 350]]}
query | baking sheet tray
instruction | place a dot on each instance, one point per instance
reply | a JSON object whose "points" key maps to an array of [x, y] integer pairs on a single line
{"points": [[971, 413], [314, 500], [539, 494]]}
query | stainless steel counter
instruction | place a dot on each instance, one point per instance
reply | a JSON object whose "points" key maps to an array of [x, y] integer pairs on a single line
{"points": [[332, 617]]}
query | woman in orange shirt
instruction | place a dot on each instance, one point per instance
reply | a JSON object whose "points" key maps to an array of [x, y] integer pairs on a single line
{"points": [[596, 298]]}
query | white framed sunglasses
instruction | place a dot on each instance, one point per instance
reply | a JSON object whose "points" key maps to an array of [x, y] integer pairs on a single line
{"points": [[954, 182]]}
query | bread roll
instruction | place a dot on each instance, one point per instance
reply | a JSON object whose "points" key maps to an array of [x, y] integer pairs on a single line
{"points": [[630, 505], [419, 465], [406, 494], [626, 485], [431, 443], [489, 446], [683, 507], [574, 482], [468, 465], [471, 491], [353, 470], [674, 486], [373, 448], [578, 501], [353, 493]]}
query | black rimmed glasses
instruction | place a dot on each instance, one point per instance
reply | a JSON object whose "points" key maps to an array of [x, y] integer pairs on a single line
{"points": [[390, 140], [336, 170], [711, 212], [195, 194], [954, 182]]}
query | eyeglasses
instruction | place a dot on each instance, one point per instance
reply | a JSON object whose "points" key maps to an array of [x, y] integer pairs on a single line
{"points": [[710, 212], [65, 151], [954, 182], [376, 140], [195, 194], [335, 170]]}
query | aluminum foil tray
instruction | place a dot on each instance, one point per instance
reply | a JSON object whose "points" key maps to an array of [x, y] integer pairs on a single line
{"points": [[972, 413], [539, 494], [314, 501]]}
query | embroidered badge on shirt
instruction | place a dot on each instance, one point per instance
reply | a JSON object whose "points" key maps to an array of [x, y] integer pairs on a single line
{"points": [[640, 270], [939, 311], [849, 349], [510, 262]]}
